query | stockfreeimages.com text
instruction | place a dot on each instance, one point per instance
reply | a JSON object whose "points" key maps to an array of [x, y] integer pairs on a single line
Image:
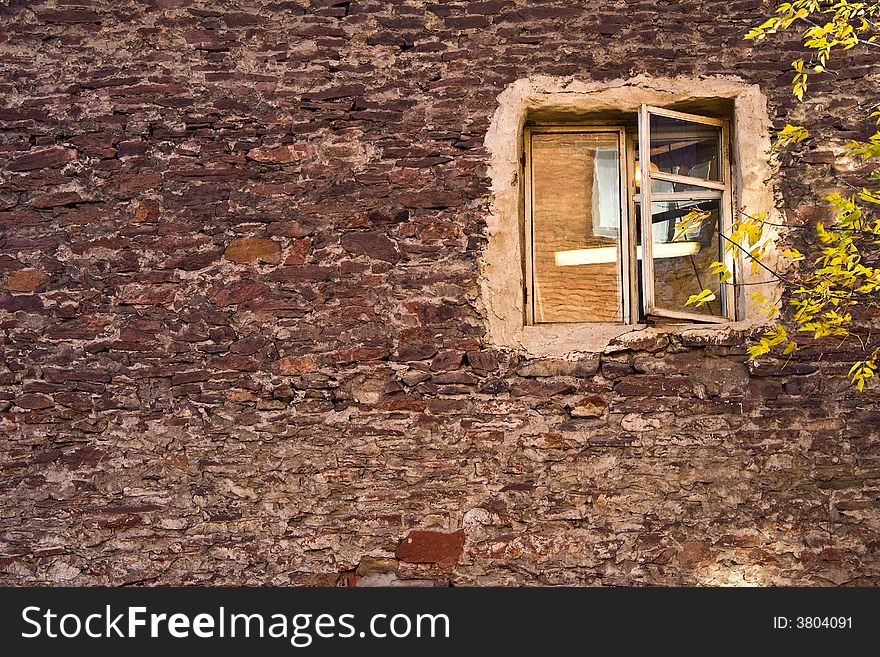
{"points": [[300, 629]]}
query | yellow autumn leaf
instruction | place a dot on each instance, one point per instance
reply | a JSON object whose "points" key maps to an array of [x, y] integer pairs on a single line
{"points": [[700, 299]]}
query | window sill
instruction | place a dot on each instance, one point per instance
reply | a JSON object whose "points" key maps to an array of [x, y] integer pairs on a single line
{"points": [[567, 341]]}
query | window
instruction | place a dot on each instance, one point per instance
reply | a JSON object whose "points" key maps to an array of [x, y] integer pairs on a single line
{"points": [[711, 154], [593, 191]]}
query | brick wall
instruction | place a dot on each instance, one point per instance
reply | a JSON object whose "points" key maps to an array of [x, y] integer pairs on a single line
{"points": [[240, 337]]}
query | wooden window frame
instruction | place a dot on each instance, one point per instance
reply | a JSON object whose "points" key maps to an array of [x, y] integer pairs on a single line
{"points": [[627, 248], [728, 299], [632, 310]]}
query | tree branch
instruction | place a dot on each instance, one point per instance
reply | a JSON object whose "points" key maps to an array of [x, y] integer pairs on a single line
{"points": [[756, 260]]}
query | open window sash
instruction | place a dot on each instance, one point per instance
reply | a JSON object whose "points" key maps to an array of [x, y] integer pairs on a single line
{"points": [[704, 182]]}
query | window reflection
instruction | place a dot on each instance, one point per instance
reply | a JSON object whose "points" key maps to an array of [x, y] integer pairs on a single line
{"points": [[576, 227], [685, 149]]}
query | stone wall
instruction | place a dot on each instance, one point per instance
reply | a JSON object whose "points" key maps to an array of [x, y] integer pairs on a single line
{"points": [[241, 336]]}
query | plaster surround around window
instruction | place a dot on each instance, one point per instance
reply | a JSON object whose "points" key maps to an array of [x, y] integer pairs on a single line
{"points": [[549, 107]]}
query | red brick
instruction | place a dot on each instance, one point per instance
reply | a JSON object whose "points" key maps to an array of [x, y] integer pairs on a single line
{"points": [[444, 549]]}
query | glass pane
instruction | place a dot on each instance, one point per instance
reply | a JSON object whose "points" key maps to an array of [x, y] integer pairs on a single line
{"points": [[576, 227], [681, 267], [685, 148]]}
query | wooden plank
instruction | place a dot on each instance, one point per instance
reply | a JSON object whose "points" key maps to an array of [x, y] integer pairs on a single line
{"points": [[688, 180], [708, 195], [647, 232], [695, 317], [682, 116], [595, 126], [728, 291]]}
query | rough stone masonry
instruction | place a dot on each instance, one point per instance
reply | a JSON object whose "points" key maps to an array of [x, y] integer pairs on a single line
{"points": [[241, 329]]}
